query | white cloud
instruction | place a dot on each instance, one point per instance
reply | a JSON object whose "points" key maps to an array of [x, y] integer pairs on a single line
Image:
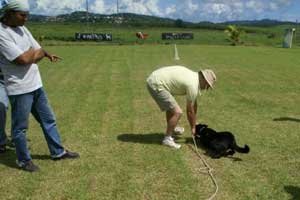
{"points": [[182, 10], [284, 2], [238, 7], [152, 6], [98, 7], [188, 10], [216, 8], [259, 6], [227, 10], [273, 6], [54, 7], [191, 7], [256, 5], [170, 10], [146, 7], [221, 11]]}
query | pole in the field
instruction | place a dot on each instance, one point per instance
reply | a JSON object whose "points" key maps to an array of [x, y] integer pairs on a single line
{"points": [[117, 6], [87, 14], [176, 56]]}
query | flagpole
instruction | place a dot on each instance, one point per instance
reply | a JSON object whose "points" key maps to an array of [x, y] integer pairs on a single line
{"points": [[87, 13]]}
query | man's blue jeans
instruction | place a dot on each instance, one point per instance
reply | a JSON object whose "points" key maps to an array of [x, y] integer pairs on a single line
{"points": [[3, 109], [35, 102]]}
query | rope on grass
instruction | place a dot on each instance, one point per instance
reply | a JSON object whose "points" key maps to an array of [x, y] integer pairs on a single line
{"points": [[207, 169]]}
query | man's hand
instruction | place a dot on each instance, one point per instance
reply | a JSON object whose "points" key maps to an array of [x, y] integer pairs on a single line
{"points": [[53, 58], [193, 131]]}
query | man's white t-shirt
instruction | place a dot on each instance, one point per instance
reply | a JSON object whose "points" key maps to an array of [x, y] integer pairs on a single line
{"points": [[19, 79], [178, 80]]}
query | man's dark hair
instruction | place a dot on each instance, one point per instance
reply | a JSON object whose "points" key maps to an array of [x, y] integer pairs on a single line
{"points": [[6, 15]]}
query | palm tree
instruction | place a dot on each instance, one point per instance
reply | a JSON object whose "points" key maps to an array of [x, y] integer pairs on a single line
{"points": [[234, 34]]}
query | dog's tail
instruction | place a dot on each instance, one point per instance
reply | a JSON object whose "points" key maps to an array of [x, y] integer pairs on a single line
{"points": [[244, 149]]}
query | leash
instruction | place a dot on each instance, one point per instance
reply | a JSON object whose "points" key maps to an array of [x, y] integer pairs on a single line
{"points": [[207, 169]]}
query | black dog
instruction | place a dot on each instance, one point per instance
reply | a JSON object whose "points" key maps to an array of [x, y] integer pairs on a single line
{"points": [[218, 144]]}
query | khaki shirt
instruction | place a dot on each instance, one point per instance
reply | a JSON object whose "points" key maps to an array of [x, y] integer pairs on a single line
{"points": [[178, 80]]}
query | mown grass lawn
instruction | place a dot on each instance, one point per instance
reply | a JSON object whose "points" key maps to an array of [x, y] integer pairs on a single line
{"points": [[105, 113], [64, 33]]}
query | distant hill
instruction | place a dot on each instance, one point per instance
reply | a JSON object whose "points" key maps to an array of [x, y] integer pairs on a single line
{"points": [[121, 18], [38, 18], [130, 19], [260, 23]]}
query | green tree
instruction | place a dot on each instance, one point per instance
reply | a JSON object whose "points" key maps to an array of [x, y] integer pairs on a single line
{"points": [[179, 23], [234, 34]]}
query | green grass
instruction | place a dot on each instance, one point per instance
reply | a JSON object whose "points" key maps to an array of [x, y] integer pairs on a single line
{"points": [[105, 113], [55, 33]]}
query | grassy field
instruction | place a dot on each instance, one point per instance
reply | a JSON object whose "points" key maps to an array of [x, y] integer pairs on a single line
{"points": [[55, 33], [105, 113]]}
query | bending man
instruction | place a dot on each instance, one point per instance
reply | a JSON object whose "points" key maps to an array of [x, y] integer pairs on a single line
{"points": [[166, 82]]}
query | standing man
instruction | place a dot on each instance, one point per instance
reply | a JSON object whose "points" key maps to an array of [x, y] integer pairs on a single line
{"points": [[19, 55], [3, 109], [165, 82]]}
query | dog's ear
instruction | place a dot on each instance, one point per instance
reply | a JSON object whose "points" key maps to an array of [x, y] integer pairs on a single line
{"points": [[200, 126]]}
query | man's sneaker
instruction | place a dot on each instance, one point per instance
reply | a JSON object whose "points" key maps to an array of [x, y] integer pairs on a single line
{"points": [[68, 155], [169, 141], [29, 167], [178, 130], [2, 148]]}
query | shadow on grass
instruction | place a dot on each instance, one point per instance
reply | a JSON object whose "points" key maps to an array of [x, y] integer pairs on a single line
{"points": [[9, 158], [207, 153], [293, 191], [41, 157], [147, 138], [280, 119]]}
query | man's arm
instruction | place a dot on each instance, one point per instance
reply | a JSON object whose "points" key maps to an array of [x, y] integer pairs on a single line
{"points": [[191, 111], [34, 56], [30, 56]]}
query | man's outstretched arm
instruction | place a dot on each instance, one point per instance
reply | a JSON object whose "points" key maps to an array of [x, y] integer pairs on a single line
{"points": [[34, 56]]}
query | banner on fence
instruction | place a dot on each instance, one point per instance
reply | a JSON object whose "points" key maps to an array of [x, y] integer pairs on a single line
{"points": [[93, 36], [177, 36]]}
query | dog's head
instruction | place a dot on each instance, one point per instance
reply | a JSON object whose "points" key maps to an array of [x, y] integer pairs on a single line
{"points": [[200, 128]]}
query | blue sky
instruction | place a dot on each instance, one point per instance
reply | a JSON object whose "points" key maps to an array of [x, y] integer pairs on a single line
{"points": [[188, 10]]}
